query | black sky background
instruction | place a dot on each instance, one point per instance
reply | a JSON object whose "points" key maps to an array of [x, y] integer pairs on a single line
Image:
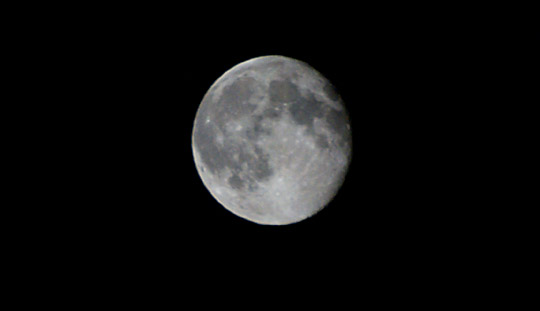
{"points": [[125, 87], [146, 79]]}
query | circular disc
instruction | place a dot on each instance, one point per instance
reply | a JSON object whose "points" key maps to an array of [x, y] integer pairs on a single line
{"points": [[272, 141]]}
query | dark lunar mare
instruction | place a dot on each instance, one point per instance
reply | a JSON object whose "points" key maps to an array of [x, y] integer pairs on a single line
{"points": [[338, 120], [330, 91], [232, 104], [304, 110]]}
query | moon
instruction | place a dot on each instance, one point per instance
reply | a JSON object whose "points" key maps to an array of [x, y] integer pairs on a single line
{"points": [[272, 140]]}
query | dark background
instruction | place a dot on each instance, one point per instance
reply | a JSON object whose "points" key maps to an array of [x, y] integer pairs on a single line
{"points": [[137, 81], [126, 203]]}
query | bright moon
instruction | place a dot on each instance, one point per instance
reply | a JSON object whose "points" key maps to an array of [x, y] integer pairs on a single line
{"points": [[272, 141]]}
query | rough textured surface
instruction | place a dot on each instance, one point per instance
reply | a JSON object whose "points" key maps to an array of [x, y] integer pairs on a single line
{"points": [[272, 140]]}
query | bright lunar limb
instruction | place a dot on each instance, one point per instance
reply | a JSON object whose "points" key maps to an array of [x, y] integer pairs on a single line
{"points": [[272, 140]]}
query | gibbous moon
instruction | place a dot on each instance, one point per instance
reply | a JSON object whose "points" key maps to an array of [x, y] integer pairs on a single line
{"points": [[272, 141]]}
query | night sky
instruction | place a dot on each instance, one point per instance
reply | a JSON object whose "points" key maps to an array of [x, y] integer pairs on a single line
{"points": [[131, 81]]}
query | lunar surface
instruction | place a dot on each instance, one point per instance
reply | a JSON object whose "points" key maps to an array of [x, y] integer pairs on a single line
{"points": [[272, 140]]}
